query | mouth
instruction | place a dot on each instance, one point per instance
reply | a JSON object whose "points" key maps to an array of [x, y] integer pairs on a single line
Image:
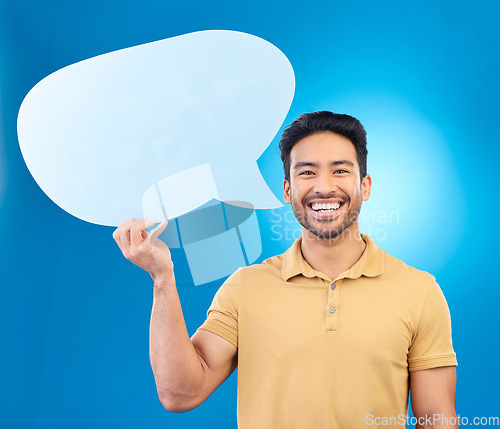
{"points": [[326, 209]]}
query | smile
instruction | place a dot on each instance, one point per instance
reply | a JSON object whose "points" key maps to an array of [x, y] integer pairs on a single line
{"points": [[325, 211], [328, 208]]}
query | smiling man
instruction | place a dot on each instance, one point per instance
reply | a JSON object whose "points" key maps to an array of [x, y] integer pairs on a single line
{"points": [[333, 333]]}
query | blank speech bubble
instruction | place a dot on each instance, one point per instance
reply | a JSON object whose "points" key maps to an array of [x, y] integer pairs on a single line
{"points": [[97, 134]]}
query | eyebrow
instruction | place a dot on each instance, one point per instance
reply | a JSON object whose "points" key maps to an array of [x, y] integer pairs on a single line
{"points": [[315, 164]]}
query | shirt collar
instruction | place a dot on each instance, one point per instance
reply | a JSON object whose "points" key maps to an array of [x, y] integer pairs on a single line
{"points": [[370, 264]]}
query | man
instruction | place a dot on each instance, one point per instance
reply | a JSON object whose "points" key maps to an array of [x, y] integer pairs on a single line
{"points": [[331, 334]]}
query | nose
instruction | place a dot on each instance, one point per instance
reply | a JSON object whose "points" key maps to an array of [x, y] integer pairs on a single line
{"points": [[325, 183]]}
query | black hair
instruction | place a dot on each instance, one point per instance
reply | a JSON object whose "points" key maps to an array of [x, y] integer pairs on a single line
{"points": [[324, 121]]}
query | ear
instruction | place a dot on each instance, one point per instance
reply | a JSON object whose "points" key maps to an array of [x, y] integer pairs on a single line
{"points": [[366, 187], [286, 192]]}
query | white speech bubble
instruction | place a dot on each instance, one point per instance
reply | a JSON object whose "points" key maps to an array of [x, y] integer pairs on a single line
{"points": [[97, 134], [179, 193]]}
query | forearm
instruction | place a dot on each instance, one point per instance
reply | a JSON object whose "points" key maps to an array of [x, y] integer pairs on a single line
{"points": [[177, 366], [438, 420]]}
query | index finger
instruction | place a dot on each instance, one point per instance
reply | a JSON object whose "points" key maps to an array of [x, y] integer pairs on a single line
{"points": [[137, 230], [117, 231]]}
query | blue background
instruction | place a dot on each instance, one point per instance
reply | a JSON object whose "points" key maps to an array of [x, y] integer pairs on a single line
{"points": [[421, 76]]}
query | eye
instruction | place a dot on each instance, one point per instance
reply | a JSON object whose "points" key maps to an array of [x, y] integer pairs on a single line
{"points": [[341, 171], [306, 173]]}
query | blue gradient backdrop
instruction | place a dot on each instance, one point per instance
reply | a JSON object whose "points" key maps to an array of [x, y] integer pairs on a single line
{"points": [[422, 77]]}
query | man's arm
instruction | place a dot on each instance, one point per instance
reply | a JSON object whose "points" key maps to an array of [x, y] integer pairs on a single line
{"points": [[433, 397], [186, 371]]}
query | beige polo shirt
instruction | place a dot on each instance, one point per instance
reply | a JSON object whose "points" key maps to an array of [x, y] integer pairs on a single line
{"points": [[315, 353]]}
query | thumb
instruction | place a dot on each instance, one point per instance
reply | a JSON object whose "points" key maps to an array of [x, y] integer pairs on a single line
{"points": [[155, 233], [148, 223]]}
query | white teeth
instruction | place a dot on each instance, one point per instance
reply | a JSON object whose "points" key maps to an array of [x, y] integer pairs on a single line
{"points": [[329, 206]]}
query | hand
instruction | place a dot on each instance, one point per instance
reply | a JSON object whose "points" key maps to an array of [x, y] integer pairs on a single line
{"points": [[145, 249]]}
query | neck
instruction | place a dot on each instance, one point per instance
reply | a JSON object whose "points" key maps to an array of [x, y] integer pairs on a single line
{"points": [[333, 256]]}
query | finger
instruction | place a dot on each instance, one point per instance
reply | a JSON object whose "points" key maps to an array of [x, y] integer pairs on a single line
{"points": [[117, 239], [138, 230], [146, 234], [116, 235], [125, 232], [117, 232], [155, 233]]}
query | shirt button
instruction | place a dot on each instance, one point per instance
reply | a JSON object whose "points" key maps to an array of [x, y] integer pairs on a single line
{"points": [[332, 286], [332, 310]]}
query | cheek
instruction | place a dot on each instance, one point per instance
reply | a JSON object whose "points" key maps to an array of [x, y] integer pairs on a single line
{"points": [[350, 187], [293, 195], [356, 192]]}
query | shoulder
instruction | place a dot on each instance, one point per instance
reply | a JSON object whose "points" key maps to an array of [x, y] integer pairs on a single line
{"points": [[413, 289], [269, 267], [395, 266], [406, 275]]}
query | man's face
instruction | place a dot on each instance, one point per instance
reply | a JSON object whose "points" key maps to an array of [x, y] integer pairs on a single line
{"points": [[325, 188]]}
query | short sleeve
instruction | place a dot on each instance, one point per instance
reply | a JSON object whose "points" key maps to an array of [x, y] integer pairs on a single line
{"points": [[432, 345], [222, 316]]}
